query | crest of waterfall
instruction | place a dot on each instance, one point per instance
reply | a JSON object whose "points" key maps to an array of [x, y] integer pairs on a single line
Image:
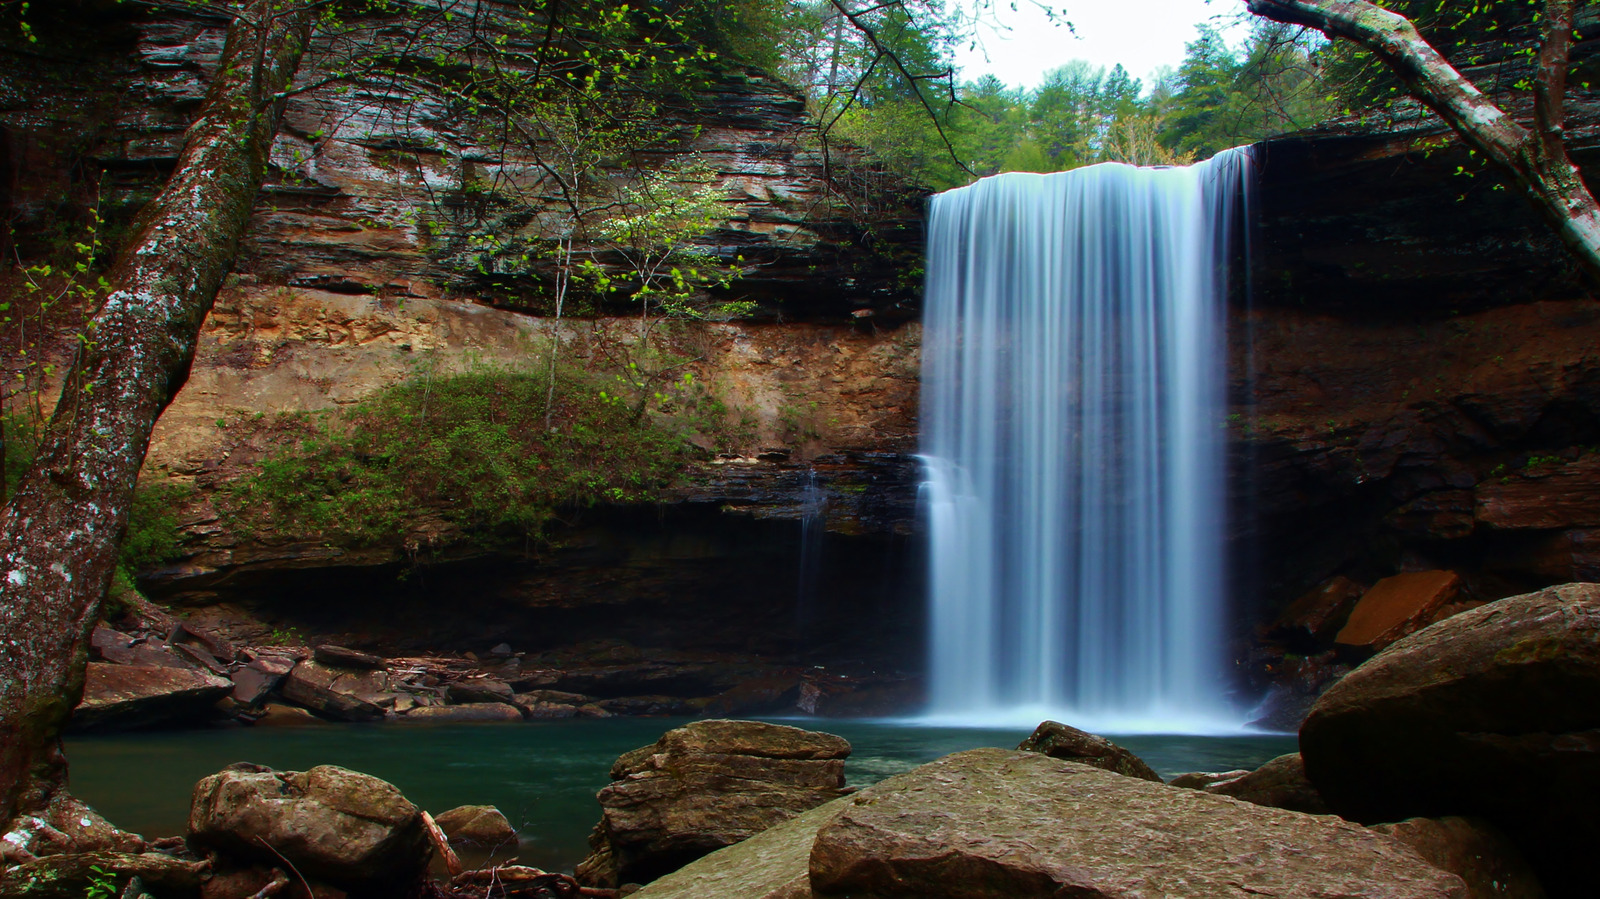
{"points": [[1073, 417]]}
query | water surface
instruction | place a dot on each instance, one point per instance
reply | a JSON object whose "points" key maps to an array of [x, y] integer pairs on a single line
{"points": [[543, 775]]}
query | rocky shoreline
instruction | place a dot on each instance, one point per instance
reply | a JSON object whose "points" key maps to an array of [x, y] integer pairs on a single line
{"points": [[1458, 762], [149, 668]]}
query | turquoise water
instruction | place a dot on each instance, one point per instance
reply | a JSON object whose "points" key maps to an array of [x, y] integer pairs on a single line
{"points": [[543, 775]]}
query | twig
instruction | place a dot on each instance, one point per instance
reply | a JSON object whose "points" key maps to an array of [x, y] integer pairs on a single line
{"points": [[452, 862], [303, 882]]}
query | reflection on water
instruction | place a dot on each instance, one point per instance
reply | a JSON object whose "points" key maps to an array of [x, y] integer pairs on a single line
{"points": [[542, 775]]}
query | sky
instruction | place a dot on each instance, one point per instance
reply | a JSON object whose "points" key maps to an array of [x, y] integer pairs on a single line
{"points": [[1142, 35]]}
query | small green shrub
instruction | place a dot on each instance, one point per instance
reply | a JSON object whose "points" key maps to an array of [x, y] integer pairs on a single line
{"points": [[471, 448]]}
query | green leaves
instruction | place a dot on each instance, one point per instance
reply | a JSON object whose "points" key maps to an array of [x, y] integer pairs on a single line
{"points": [[469, 449]]}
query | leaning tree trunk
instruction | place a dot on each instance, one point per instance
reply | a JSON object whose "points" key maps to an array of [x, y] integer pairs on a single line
{"points": [[1536, 157], [60, 531]]}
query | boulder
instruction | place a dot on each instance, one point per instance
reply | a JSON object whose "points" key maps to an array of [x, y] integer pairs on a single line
{"points": [[773, 864], [477, 825], [341, 694], [348, 829], [1280, 783], [117, 697], [1494, 713], [1472, 849], [989, 823], [547, 711], [254, 682], [704, 786], [1397, 606], [341, 657], [1059, 741], [77, 875], [466, 712]]}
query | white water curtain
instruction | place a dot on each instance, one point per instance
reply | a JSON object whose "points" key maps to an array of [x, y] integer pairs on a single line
{"points": [[1073, 416]]}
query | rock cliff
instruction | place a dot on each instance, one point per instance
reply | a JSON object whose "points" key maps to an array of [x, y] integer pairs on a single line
{"points": [[1414, 379]]}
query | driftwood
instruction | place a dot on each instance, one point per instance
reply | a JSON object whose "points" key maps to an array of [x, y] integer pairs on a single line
{"points": [[452, 862], [518, 882]]}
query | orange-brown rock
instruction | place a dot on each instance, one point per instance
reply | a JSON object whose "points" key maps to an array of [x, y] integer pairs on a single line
{"points": [[1399, 605]]}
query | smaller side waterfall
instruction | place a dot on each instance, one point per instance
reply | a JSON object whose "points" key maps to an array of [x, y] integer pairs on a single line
{"points": [[1073, 414]]}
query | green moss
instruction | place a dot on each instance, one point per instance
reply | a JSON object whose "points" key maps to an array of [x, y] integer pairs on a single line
{"points": [[473, 450]]}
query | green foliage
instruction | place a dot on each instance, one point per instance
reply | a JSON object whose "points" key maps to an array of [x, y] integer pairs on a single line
{"points": [[1081, 115], [473, 450]]}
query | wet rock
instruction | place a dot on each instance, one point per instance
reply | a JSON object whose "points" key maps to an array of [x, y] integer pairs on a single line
{"points": [[75, 876], [650, 705], [1058, 741], [255, 681], [704, 786], [1397, 606], [1201, 780], [547, 711], [341, 657], [465, 712], [990, 823], [477, 825], [641, 679], [118, 697], [1319, 614], [1474, 850], [1280, 783], [336, 693], [1494, 713], [773, 864], [199, 658], [276, 714], [501, 650], [480, 689], [121, 649], [351, 830], [755, 697], [1563, 496]]}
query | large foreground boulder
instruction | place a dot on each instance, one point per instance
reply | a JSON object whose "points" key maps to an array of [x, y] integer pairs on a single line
{"points": [[704, 786], [989, 823], [350, 830], [773, 864], [1494, 712], [119, 697]]}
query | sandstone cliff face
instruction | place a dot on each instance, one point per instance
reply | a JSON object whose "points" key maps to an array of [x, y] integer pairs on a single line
{"points": [[1414, 376]]}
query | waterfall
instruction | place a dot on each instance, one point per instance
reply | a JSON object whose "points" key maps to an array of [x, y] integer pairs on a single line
{"points": [[1073, 417]]}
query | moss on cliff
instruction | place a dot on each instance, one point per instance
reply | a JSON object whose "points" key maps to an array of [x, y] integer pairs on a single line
{"points": [[475, 453]]}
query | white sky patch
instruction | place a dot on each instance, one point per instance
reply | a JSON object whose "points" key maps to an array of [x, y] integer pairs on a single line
{"points": [[1142, 35]]}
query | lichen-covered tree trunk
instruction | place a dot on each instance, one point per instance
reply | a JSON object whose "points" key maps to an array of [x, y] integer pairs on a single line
{"points": [[1535, 157], [60, 530]]}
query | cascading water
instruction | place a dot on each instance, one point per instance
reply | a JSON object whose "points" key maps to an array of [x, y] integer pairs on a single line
{"points": [[1073, 415]]}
